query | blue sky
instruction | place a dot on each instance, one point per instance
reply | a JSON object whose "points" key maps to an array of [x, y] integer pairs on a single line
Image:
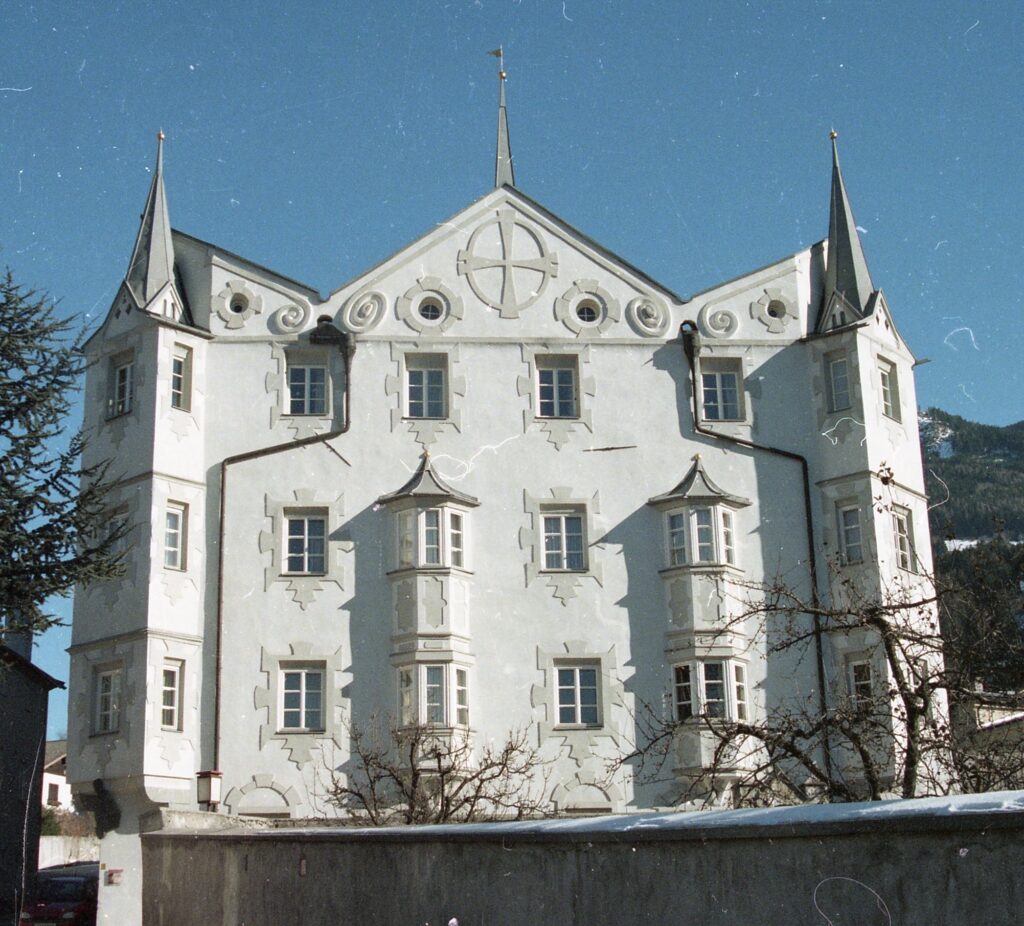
{"points": [[689, 137]]}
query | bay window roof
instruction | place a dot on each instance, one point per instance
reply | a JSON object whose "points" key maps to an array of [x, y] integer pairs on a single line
{"points": [[697, 487], [427, 487]]}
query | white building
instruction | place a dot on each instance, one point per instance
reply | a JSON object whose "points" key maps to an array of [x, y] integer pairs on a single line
{"points": [[466, 489]]}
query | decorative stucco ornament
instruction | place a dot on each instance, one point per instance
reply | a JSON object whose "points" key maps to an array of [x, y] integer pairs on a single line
{"points": [[507, 264], [446, 305], [772, 311], [586, 293], [236, 303], [717, 323], [648, 317], [291, 318], [364, 311]]}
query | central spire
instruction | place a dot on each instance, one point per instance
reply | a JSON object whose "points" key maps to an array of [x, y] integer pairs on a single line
{"points": [[504, 175], [846, 270], [152, 264]]}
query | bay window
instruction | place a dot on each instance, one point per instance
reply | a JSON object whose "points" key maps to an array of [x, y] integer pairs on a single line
{"points": [[431, 537], [433, 694], [701, 535], [713, 688]]}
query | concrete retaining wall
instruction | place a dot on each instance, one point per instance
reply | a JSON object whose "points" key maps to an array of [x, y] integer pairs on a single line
{"points": [[770, 868]]}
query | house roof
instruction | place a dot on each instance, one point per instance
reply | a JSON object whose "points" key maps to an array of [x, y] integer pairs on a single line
{"points": [[14, 660], [56, 750]]}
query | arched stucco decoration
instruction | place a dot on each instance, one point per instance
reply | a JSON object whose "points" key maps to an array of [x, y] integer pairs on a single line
{"points": [[774, 311], [305, 588], [364, 311], [648, 316], [426, 430], [609, 310], [236, 303], [407, 306], [587, 790], [531, 539], [262, 794], [558, 430], [267, 697]]}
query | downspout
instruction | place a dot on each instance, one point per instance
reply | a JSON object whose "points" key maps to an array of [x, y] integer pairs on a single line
{"points": [[324, 333], [687, 331]]}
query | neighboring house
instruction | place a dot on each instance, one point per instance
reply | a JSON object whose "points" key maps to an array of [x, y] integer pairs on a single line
{"points": [[56, 792], [24, 692], [465, 490]]}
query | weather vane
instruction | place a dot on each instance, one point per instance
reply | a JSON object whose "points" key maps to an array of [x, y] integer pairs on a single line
{"points": [[499, 53]]}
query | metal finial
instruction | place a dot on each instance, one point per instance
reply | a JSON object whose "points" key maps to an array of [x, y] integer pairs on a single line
{"points": [[833, 135], [696, 458], [160, 135]]}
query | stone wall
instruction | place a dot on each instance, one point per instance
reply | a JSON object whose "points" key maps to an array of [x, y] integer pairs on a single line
{"points": [[927, 861]]}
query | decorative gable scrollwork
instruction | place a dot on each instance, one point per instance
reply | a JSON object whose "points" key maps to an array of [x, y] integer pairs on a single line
{"points": [[648, 317]]}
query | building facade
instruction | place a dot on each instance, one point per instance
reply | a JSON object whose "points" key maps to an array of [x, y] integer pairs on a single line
{"points": [[501, 480]]}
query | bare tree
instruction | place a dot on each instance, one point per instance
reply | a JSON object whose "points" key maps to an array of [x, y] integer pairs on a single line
{"points": [[421, 774]]}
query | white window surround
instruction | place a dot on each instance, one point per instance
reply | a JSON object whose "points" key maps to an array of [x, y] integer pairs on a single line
{"points": [[561, 501], [176, 536], [305, 542], [171, 686], [433, 694], [301, 693], [107, 689], [426, 386], [851, 536], [578, 694], [701, 535], [564, 539], [552, 419], [890, 389], [903, 538], [837, 367], [308, 389], [181, 378], [433, 538], [712, 687], [121, 395], [721, 389]]}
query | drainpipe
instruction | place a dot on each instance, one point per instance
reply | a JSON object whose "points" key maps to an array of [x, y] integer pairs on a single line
{"points": [[688, 332], [324, 333]]}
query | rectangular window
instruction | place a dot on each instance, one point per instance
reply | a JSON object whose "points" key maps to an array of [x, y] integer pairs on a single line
{"points": [[740, 679], [714, 688], [456, 539], [838, 384], [407, 696], [307, 390], [53, 794], [175, 535], [890, 389], [721, 382], [122, 387], [861, 687], [683, 693], [677, 539], [462, 697], [704, 535], [850, 545], [557, 387], [170, 695], [903, 538], [432, 537], [108, 701], [302, 693], [728, 541], [406, 538], [434, 699], [306, 544], [426, 390], [578, 702], [564, 543], [181, 378]]}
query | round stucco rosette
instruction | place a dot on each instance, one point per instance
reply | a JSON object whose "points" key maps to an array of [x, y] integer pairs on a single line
{"points": [[236, 303]]}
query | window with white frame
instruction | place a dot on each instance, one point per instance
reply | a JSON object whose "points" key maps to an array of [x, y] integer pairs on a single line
{"points": [[307, 389], [579, 694], [721, 383], [175, 535], [851, 545], [305, 543], [426, 386], [557, 387], [107, 698], [302, 698], [171, 678], [181, 377], [565, 546], [715, 688], [702, 534], [433, 694], [432, 537], [122, 386], [903, 538], [861, 683], [838, 370], [890, 389]]}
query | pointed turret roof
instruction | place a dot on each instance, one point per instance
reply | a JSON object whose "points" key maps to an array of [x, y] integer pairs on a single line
{"points": [[426, 485], [697, 486], [152, 264], [504, 174], [846, 270]]}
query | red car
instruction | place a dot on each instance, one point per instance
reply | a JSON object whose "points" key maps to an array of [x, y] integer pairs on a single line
{"points": [[63, 896]]}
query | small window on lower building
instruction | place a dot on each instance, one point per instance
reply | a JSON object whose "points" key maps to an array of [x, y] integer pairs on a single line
{"points": [[302, 692], [170, 695], [306, 544], [52, 794], [107, 696], [579, 702], [564, 541], [722, 389]]}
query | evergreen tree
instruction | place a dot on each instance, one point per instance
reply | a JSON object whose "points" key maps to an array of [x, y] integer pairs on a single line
{"points": [[52, 513]]}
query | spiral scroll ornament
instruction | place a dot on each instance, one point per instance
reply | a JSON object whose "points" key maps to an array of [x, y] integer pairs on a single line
{"points": [[718, 323], [364, 311], [648, 317], [292, 318]]}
